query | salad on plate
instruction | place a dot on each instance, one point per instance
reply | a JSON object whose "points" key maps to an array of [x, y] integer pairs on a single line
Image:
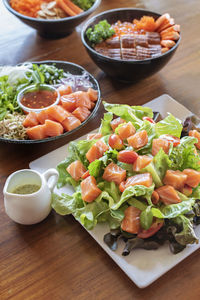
{"points": [[139, 176]]}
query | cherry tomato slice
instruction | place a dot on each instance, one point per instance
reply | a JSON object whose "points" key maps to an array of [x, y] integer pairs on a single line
{"points": [[144, 234], [127, 156], [149, 119], [170, 138]]}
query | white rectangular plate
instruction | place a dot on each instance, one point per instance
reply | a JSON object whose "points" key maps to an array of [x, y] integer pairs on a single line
{"points": [[143, 267]]}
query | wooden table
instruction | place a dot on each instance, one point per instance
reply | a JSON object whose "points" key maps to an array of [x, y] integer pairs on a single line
{"points": [[57, 259]]}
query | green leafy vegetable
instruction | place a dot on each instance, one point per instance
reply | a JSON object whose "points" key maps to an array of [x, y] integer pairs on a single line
{"points": [[105, 127], [84, 4], [170, 125], [187, 234], [101, 32], [146, 218]]}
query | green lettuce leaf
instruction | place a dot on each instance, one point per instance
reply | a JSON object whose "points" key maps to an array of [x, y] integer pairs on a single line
{"points": [[146, 218], [150, 168], [187, 234], [105, 127], [150, 129], [162, 163], [169, 125], [66, 204]]}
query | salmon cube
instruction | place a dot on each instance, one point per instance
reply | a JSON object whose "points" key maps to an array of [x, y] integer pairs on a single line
{"points": [[195, 134], [43, 116], [139, 179], [89, 189], [116, 122], [82, 113], [82, 100], [53, 128], [141, 162], [94, 136], [93, 94], [70, 123], [131, 221], [96, 151], [64, 90], [126, 130], [58, 113], [138, 140], [37, 132], [31, 119], [177, 179], [158, 144], [168, 195], [69, 102], [76, 169], [193, 177], [114, 173]]}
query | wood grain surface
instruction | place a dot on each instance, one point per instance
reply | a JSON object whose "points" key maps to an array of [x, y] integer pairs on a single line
{"points": [[57, 259]]}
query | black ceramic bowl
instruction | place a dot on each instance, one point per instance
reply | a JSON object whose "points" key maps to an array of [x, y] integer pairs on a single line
{"points": [[53, 28], [75, 70], [125, 70]]}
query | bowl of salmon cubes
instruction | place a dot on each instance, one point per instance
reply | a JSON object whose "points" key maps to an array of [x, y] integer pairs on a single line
{"points": [[45, 101]]}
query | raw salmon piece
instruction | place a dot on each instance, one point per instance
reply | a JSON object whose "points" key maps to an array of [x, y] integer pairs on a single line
{"points": [[82, 100], [167, 43], [96, 151], [171, 36], [168, 195], [193, 177], [53, 128], [131, 221], [58, 113], [76, 169], [94, 136], [70, 123], [64, 90], [122, 186], [139, 179], [162, 20], [69, 102], [158, 144], [114, 173], [141, 162], [186, 190], [93, 94], [85, 175], [164, 50], [43, 116], [155, 198], [81, 113], [138, 140], [177, 179], [89, 189], [37, 132], [31, 119], [126, 130], [195, 134], [116, 122]]}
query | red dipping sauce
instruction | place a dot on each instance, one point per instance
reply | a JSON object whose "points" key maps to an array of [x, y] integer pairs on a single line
{"points": [[39, 99]]}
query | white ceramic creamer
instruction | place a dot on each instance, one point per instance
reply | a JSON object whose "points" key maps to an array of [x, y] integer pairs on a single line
{"points": [[32, 208]]}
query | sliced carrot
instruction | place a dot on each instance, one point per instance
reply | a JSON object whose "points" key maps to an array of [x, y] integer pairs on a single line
{"points": [[168, 195], [53, 128], [177, 179], [96, 151], [131, 221], [126, 130], [37, 132], [76, 169], [66, 8], [70, 123], [89, 189], [114, 173], [73, 7], [138, 140], [31, 119], [82, 113]]}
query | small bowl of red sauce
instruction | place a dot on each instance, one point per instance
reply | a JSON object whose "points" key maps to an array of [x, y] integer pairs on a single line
{"points": [[38, 97]]}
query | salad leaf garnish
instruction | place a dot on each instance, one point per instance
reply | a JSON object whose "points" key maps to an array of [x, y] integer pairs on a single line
{"points": [[169, 125]]}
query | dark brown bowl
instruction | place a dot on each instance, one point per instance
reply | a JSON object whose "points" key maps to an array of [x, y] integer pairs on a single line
{"points": [[53, 28], [75, 70], [125, 70]]}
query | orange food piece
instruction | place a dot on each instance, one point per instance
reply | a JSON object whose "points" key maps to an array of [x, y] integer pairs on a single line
{"points": [[64, 90], [195, 134], [167, 43], [94, 136], [85, 175], [186, 190], [158, 144], [162, 20], [131, 221], [93, 94], [122, 186], [70, 123], [116, 122], [53, 128], [138, 140], [126, 130], [66, 8], [114, 173], [96, 151], [73, 6], [177, 179], [82, 99], [58, 113], [43, 116], [76, 169], [171, 36], [193, 177], [141, 162], [127, 156], [155, 197], [139, 179], [115, 142], [69, 102], [168, 195], [81, 113], [166, 24], [31, 119], [146, 23], [89, 189], [37, 132], [164, 50]]}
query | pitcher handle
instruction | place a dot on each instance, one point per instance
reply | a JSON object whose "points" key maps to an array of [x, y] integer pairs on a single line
{"points": [[48, 174]]}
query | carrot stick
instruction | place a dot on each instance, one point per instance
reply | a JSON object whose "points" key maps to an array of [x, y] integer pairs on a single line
{"points": [[62, 5], [73, 6]]}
